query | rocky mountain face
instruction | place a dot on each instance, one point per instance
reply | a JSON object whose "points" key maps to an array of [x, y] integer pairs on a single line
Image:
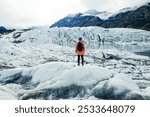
{"points": [[4, 30], [138, 19], [78, 21]]}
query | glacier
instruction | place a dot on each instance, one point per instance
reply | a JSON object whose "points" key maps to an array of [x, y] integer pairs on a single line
{"points": [[40, 63]]}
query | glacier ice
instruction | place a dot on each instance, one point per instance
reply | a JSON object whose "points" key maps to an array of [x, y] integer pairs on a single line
{"points": [[43, 64]]}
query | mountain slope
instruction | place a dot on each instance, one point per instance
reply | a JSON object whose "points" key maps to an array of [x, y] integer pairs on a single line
{"points": [[78, 20], [138, 18], [2, 28], [102, 15]]}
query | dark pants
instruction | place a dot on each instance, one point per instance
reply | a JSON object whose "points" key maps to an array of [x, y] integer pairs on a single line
{"points": [[82, 58]]}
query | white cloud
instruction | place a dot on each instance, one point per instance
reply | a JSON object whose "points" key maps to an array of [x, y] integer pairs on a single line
{"points": [[111, 5], [35, 12], [45, 12]]}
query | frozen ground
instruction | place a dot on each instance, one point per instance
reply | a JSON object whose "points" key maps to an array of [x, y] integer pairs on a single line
{"points": [[40, 63]]}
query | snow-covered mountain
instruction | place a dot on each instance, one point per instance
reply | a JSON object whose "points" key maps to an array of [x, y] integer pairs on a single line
{"points": [[136, 17], [92, 12], [131, 18], [88, 18], [102, 15], [6, 30], [127, 9], [2, 28], [78, 20], [40, 63]]}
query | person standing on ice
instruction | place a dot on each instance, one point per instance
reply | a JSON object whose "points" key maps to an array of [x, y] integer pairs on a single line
{"points": [[80, 50]]}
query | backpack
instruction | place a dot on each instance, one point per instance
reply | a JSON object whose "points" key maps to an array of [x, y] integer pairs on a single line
{"points": [[80, 46]]}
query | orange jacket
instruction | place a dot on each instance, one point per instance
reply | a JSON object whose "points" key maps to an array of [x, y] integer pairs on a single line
{"points": [[80, 52]]}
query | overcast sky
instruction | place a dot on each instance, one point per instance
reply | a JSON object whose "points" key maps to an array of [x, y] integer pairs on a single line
{"points": [[23, 13]]}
